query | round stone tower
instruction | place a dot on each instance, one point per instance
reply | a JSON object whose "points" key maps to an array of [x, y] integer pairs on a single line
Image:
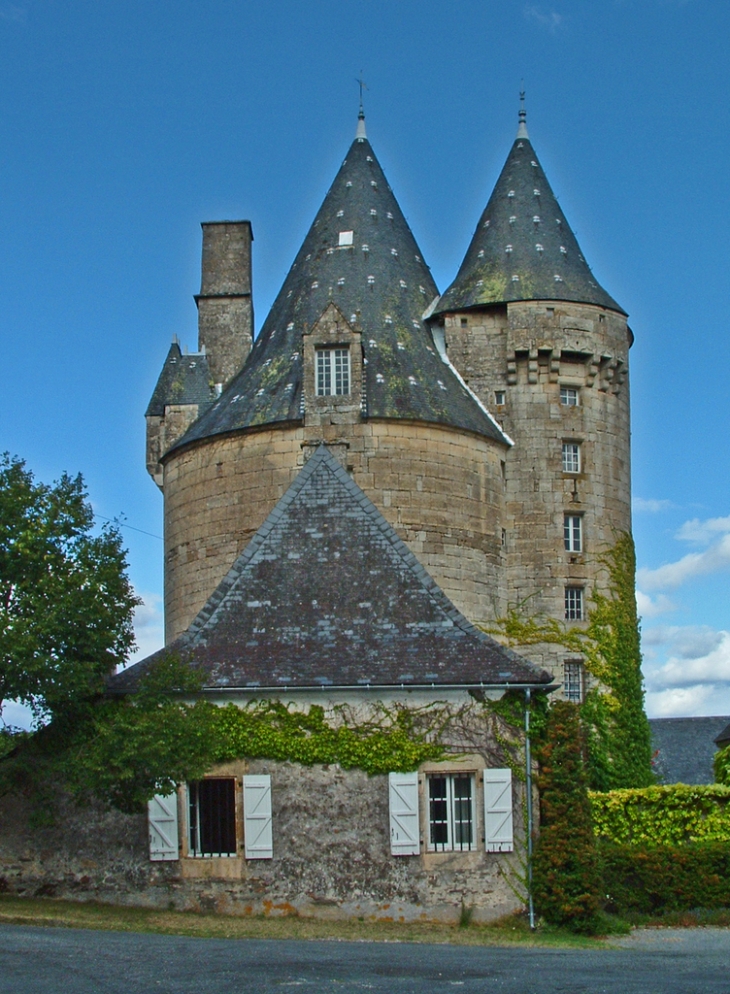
{"points": [[543, 345], [343, 357]]}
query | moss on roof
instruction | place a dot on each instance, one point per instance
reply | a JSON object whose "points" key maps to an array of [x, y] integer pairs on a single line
{"points": [[360, 254], [523, 247]]}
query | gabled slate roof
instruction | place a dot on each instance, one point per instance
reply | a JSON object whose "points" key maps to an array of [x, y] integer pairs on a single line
{"points": [[185, 379], [684, 748], [360, 254], [327, 595], [523, 247]]}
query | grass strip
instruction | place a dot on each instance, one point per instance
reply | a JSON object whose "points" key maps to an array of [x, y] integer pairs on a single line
{"points": [[50, 912]]}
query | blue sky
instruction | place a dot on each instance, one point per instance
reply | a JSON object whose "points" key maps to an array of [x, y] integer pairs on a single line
{"points": [[124, 124]]}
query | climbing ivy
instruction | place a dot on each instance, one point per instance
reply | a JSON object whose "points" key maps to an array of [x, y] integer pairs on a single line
{"points": [[619, 743], [395, 739]]}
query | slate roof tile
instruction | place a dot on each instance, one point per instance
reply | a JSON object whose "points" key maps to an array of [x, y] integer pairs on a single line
{"points": [[377, 277], [327, 594], [185, 379], [523, 247]]}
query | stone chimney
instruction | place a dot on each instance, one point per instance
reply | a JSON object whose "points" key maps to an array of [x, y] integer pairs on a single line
{"points": [[225, 305]]}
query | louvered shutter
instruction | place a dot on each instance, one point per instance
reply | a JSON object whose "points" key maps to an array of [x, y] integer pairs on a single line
{"points": [[162, 819], [404, 827], [498, 810], [257, 829]]}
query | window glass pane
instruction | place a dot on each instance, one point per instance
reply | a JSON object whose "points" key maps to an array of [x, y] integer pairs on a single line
{"points": [[438, 812], [569, 396], [342, 371], [571, 457], [213, 817], [324, 373], [573, 603], [572, 538], [463, 819], [573, 681]]}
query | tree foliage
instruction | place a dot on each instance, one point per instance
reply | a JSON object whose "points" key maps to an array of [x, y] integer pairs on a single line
{"points": [[66, 603], [566, 877], [619, 740]]}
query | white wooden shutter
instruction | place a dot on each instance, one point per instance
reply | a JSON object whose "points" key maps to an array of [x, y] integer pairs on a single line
{"points": [[498, 810], [257, 817], [404, 827], [162, 819]]}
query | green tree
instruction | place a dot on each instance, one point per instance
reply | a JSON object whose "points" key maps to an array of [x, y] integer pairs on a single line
{"points": [[566, 878], [66, 603]]}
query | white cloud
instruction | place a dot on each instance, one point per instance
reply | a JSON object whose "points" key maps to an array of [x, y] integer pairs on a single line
{"points": [[688, 669], [687, 641], [713, 560], [149, 629], [546, 19], [650, 505], [687, 702], [650, 608], [703, 532]]}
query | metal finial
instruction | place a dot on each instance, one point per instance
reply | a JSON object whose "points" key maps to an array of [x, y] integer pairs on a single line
{"points": [[360, 133], [522, 127]]}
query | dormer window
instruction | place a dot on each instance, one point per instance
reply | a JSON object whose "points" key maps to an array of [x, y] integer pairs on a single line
{"points": [[333, 372]]}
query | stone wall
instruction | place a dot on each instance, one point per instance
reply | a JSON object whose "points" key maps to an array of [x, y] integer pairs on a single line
{"points": [[516, 358], [441, 489], [331, 856]]}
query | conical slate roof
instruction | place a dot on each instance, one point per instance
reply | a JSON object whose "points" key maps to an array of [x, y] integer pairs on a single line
{"points": [[327, 595], [523, 248], [185, 379], [361, 255]]}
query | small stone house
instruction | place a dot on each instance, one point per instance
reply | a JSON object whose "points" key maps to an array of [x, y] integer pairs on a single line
{"points": [[327, 606]]}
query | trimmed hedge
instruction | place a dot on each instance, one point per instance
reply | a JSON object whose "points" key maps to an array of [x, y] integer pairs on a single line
{"points": [[663, 816], [660, 879]]}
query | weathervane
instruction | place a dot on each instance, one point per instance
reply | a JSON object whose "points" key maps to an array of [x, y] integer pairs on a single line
{"points": [[361, 84]]}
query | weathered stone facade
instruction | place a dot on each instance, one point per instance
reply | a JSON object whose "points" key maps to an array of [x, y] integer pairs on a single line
{"points": [[331, 849]]}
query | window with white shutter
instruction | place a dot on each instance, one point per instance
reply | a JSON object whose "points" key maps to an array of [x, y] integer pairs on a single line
{"points": [[257, 828], [404, 825], [162, 819], [498, 810]]}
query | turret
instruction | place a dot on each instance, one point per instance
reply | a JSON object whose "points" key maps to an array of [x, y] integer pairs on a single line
{"points": [[540, 341]]}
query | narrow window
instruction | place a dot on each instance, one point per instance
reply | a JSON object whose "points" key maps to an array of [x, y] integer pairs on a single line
{"points": [[451, 812], [571, 457], [499, 397], [212, 817], [573, 680], [333, 372], [569, 396], [464, 323], [573, 603], [573, 532]]}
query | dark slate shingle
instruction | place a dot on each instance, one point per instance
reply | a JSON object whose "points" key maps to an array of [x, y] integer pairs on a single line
{"points": [[381, 283], [326, 594], [185, 379], [523, 233], [684, 748]]}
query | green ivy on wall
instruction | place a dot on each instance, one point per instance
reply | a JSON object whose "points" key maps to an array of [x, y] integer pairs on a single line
{"points": [[619, 741]]}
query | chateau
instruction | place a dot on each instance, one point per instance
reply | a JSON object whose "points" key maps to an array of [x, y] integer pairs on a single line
{"points": [[489, 424], [348, 496]]}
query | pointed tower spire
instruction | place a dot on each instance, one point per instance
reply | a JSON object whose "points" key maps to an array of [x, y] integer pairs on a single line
{"points": [[360, 133], [523, 248], [522, 127], [361, 256]]}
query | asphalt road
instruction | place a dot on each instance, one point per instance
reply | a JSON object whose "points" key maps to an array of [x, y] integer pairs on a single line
{"points": [[76, 961]]}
